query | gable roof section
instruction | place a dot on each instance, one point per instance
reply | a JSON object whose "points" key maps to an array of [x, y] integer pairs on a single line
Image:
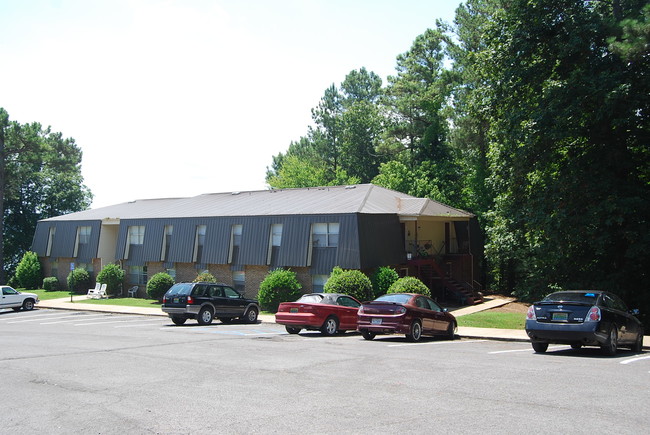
{"points": [[360, 198]]}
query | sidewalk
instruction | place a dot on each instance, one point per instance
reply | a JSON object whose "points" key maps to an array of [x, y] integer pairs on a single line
{"points": [[463, 331]]}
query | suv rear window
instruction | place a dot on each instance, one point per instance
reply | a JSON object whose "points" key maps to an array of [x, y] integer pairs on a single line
{"points": [[180, 289]]}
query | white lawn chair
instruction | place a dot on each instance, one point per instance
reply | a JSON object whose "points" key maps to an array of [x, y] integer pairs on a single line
{"points": [[133, 291], [92, 292], [102, 292]]}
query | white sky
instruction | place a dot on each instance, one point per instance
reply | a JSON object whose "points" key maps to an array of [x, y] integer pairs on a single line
{"points": [[177, 98]]}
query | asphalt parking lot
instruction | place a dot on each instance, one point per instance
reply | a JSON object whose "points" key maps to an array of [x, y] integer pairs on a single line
{"points": [[110, 373]]}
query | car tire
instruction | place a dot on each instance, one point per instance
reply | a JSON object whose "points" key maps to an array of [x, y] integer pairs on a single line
{"points": [[368, 335], [415, 331], [28, 304], [576, 346], [251, 315], [451, 330], [205, 316], [539, 347], [179, 320], [292, 329], [330, 326], [611, 345], [638, 344]]}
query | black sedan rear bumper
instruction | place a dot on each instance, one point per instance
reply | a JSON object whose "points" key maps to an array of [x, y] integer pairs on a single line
{"points": [[566, 333]]}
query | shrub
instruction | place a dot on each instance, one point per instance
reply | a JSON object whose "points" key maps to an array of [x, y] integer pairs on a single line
{"points": [[279, 285], [350, 282], [28, 271], [13, 282], [205, 277], [382, 279], [409, 284], [78, 281], [158, 285], [51, 284], [113, 276]]}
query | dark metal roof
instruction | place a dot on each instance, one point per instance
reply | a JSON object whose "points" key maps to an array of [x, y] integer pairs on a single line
{"points": [[360, 198]]}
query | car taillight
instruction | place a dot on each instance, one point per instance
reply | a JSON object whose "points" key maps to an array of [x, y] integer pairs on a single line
{"points": [[165, 299], [360, 310], [400, 310], [593, 315], [190, 300], [530, 315]]}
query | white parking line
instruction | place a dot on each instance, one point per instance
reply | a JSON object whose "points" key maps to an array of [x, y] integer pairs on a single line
{"points": [[137, 324], [40, 319], [76, 319], [525, 350], [629, 361], [435, 342], [31, 315], [116, 321]]}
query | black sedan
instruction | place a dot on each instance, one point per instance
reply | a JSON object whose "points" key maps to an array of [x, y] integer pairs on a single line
{"points": [[584, 318]]}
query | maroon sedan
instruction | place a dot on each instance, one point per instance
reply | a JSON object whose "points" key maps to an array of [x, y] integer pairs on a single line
{"points": [[328, 312], [405, 313]]}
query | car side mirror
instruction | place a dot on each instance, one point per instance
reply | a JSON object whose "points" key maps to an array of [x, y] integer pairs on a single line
{"points": [[444, 310]]}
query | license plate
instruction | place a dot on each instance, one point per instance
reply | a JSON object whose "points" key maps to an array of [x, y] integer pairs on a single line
{"points": [[376, 321], [293, 310], [560, 317], [175, 300]]}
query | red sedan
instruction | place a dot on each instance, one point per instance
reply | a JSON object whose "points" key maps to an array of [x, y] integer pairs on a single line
{"points": [[405, 313], [328, 312]]}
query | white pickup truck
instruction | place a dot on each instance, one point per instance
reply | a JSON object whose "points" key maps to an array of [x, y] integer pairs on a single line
{"points": [[10, 298]]}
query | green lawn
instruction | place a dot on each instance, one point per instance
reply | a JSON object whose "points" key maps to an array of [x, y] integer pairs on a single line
{"points": [[129, 302], [43, 295], [487, 319], [126, 302]]}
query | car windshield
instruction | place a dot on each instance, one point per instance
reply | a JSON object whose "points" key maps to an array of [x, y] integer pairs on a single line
{"points": [[310, 299], [180, 289], [396, 298], [586, 297]]}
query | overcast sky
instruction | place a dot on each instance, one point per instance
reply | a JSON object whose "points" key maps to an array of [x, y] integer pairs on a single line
{"points": [[178, 98]]}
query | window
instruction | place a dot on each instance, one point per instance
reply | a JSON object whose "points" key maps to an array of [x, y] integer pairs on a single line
{"points": [[325, 235], [172, 273], [199, 242], [347, 301], [236, 234], [276, 234], [235, 243], [275, 241], [167, 236], [135, 236], [84, 235], [54, 268], [85, 266], [231, 293], [138, 275], [239, 281], [318, 283], [83, 238], [50, 241]]}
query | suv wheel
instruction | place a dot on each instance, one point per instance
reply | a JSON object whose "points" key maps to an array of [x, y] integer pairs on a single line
{"points": [[251, 315], [178, 320], [205, 316]]}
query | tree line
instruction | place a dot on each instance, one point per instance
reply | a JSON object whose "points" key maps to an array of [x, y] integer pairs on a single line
{"points": [[533, 115], [40, 177]]}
